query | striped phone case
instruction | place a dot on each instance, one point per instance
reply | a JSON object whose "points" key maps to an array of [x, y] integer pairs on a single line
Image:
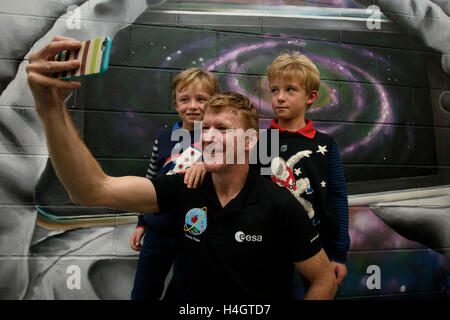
{"points": [[93, 56]]}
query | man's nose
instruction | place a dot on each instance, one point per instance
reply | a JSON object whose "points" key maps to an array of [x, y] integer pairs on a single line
{"points": [[209, 135]]}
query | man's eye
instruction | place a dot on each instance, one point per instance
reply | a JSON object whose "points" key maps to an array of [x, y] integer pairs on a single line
{"points": [[273, 90]]}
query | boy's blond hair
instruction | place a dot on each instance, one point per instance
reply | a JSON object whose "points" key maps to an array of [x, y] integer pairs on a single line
{"points": [[238, 102], [191, 75], [295, 66]]}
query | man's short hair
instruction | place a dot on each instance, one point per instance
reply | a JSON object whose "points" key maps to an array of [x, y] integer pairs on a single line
{"points": [[237, 102], [191, 75], [295, 66]]}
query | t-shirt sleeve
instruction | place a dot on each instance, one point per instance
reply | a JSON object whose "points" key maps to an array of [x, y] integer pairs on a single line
{"points": [[301, 236], [169, 191]]}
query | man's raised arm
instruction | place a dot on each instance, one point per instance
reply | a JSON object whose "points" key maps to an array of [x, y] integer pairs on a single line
{"points": [[75, 166]]}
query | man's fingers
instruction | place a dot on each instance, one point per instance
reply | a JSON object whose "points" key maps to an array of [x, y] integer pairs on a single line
{"points": [[35, 78], [49, 51], [59, 38], [54, 47], [52, 67]]}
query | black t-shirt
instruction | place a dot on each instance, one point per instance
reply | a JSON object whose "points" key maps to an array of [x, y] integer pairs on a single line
{"points": [[245, 250]]}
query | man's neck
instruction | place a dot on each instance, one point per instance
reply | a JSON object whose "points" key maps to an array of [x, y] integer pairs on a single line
{"points": [[229, 182], [292, 124]]}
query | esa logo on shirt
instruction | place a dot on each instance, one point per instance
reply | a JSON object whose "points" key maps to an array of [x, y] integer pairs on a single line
{"points": [[241, 237]]}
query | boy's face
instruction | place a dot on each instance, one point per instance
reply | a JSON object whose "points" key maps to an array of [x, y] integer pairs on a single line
{"points": [[290, 99], [190, 103]]}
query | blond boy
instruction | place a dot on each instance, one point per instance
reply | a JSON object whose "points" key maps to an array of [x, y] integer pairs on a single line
{"points": [[309, 164], [191, 89]]}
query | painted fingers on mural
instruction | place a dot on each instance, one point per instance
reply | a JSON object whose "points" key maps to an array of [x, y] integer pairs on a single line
{"points": [[429, 19], [47, 90], [136, 237], [195, 175], [340, 270]]}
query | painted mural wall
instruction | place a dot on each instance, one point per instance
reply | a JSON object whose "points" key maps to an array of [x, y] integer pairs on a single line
{"points": [[385, 97]]}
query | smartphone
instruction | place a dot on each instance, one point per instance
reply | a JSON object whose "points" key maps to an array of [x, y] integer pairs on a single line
{"points": [[93, 56]]}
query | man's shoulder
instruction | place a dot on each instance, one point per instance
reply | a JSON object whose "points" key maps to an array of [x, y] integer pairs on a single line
{"points": [[277, 197], [268, 190], [176, 179]]}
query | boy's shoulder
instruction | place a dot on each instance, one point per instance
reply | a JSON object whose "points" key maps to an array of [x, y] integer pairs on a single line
{"points": [[309, 131], [164, 135], [318, 137], [324, 137]]}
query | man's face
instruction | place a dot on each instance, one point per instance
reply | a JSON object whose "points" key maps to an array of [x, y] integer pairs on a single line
{"points": [[223, 140], [190, 103], [289, 98]]}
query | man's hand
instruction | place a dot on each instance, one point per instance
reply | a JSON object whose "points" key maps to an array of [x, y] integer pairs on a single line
{"points": [[49, 92], [195, 175], [340, 270], [136, 237], [77, 169], [319, 272]]}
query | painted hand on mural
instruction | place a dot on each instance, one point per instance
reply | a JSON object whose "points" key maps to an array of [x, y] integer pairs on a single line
{"points": [[429, 19], [23, 134], [19, 33]]}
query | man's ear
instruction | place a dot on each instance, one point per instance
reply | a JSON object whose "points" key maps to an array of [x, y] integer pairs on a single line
{"points": [[312, 96], [175, 105], [251, 140]]}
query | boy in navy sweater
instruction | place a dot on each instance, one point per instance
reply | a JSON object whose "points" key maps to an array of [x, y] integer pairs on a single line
{"points": [[309, 164], [173, 151]]}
